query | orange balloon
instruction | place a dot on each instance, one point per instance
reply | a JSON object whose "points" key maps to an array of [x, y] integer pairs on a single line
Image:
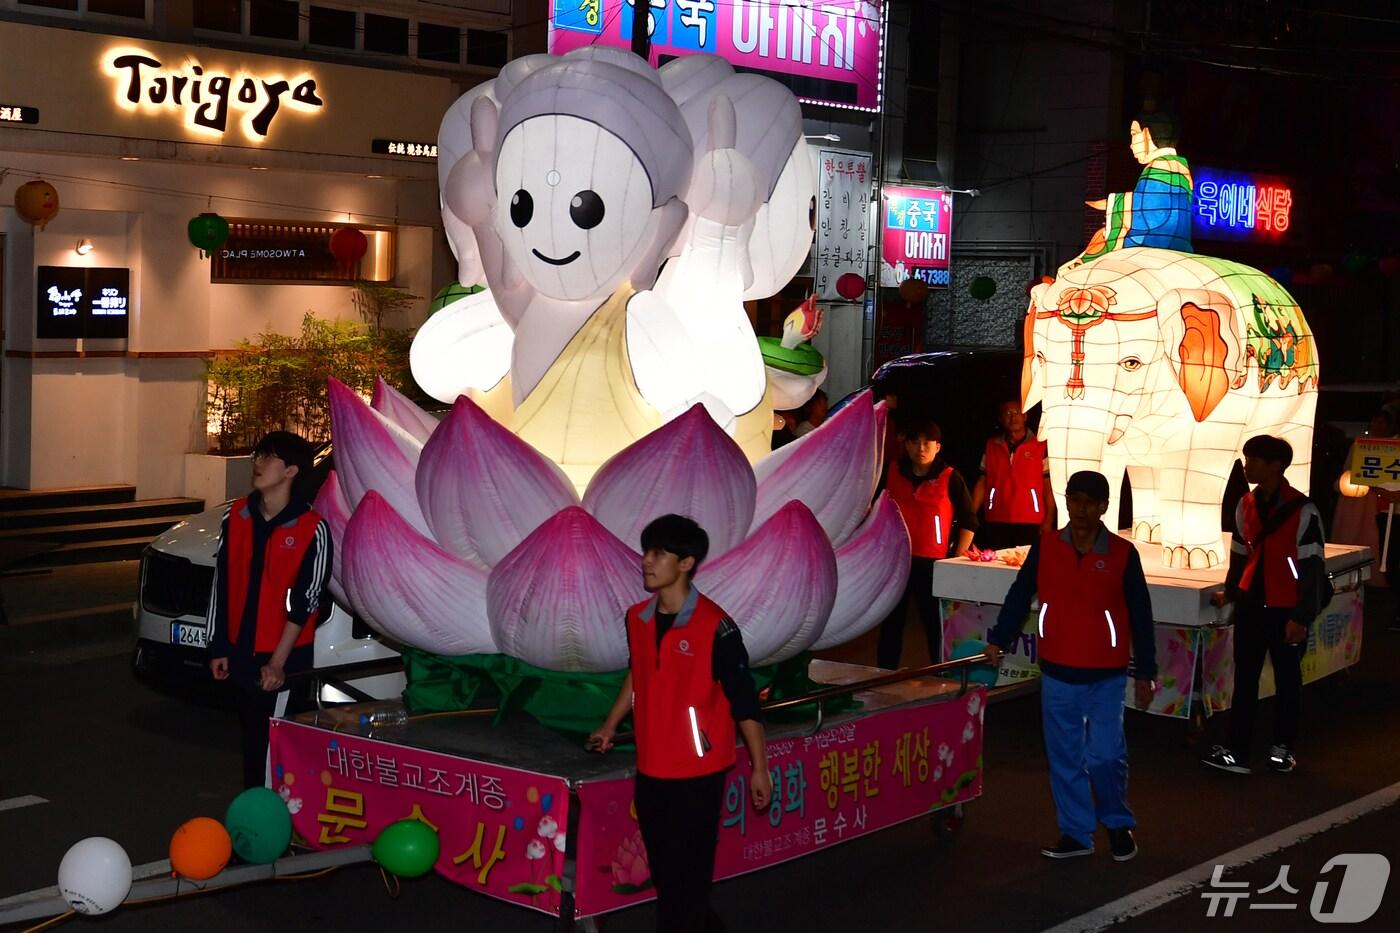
{"points": [[200, 848]]}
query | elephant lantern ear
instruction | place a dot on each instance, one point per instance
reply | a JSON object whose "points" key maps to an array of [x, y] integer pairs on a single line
{"points": [[1031, 389], [1200, 330]]}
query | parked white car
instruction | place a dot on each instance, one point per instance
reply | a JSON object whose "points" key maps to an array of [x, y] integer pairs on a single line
{"points": [[177, 571]]}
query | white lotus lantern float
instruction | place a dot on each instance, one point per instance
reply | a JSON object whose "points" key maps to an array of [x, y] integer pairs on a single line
{"points": [[594, 391]]}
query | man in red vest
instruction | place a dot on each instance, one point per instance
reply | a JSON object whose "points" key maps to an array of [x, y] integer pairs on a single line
{"points": [[1276, 569], [273, 563], [1095, 623], [687, 686], [934, 502], [1013, 491]]}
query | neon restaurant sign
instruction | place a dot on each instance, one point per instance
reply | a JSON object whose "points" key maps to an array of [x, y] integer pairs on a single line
{"points": [[1240, 205], [206, 97]]}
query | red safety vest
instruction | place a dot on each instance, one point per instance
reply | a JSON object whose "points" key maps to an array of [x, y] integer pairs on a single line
{"points": [[1083, 613], [1277, 553], [927, 510], [684, 724], [1015, 482], [282, 559]]}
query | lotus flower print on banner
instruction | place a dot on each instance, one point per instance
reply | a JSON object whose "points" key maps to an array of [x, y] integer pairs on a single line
{"points": [[472, 542]]}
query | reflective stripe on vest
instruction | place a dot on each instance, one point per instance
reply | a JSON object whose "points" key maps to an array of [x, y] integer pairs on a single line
{"points": [[1278, 552], [1081, 603]]}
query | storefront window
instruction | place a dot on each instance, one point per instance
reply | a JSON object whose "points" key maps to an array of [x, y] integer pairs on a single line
{"points": [[439, 43], [387, 34], [223, 15], [273, 19], [486, 47], [52, 4], [334, 28], [136, 9]]}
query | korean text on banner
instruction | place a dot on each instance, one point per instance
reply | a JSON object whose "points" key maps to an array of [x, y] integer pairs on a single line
{"points": [[501, 829], [843, 218], [1375, 461], [916, 235]]}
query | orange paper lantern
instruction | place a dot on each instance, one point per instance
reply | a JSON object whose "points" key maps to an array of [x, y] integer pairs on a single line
{"points": [[200, 849], [913, 291], [37, 202]]}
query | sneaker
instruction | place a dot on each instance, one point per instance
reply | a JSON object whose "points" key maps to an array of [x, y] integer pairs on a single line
{"points": [[1224, 759], [1281, 759], [1067, 847], [1122, 844]]}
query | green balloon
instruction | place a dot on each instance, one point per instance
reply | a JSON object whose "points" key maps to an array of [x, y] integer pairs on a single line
{"points": [[259, 825], [408, 848]]}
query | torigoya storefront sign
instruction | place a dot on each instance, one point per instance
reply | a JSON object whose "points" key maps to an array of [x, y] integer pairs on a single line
{"points": [[827, 51], [76, 302], [264, 251], [204, 97], [10, 113]]}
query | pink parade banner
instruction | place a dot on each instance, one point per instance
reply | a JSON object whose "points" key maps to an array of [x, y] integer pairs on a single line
{"points": [[502, 829], [837, 785], [827, 51]]}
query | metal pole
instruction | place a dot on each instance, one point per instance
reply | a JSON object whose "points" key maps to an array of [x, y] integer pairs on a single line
{"points": [[641, 39]]}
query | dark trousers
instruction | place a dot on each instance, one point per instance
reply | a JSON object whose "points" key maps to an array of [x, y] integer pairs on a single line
{"points": [[1259, 631], [920, 590], [1392, 560], [993, 536], [255, 707], [679, 819]]}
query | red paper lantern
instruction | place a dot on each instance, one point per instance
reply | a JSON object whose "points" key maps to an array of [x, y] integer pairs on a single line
{"points": [[37, 202], [913, 291], [348, 246], [851, 286]]}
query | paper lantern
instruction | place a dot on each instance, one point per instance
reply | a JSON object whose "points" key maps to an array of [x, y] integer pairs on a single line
{"points": [[982, 288], [850, 286], [208, 232], [348, 246], [594, 390], [1161, 364], [913, 291], [37, 202]]}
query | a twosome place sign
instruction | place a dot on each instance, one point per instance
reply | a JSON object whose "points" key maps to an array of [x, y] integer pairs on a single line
{"points": [[13, 113], [826, 51], [268, 251], [76, 302], [1240, 205]]}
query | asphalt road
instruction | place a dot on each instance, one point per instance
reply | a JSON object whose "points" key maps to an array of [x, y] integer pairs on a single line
{"points": [[113, 757]]}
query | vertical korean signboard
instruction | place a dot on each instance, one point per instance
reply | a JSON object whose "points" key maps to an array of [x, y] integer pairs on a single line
{"points": [[916, 235], [827, 51], [843, 218]]}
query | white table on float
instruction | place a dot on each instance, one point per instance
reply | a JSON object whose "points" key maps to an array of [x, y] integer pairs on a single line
{"points": [[1194, 638]]}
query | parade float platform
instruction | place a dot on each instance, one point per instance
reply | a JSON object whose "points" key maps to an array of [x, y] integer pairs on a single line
{"points": [[527, 816], [1194, 638]]}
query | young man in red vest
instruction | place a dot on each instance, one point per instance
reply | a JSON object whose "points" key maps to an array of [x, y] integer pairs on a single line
{"points": [[1276, 567], [1013, 491], [934, 502], [687, 686], [273, 563], [1095, 617]]}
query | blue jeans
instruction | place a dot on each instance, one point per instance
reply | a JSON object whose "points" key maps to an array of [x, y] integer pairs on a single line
{"points": [[1084, 741]]}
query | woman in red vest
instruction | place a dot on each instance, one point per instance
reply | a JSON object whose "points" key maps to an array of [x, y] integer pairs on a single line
{"points": [[1095, 617], [1013, 491], [687, 686], [1276, 567], [273, 563], [934, 502]]}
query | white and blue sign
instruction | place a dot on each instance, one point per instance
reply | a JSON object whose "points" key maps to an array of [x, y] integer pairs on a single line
{"points": [[581, 15]]}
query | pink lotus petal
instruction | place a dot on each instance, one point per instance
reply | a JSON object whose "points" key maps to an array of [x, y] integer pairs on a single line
{"points": [[372, 453], [882, 420], [394, 405], [330, 505], [833, 470], [778, 586], [411, 589], [558, 600], [688, 466], [482, 489], [871, 570]]}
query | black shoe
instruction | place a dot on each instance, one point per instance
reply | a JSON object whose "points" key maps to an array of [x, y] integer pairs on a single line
{"points": [[1067, 847], [1122, 844], [1224, 759], [1281, 759]]}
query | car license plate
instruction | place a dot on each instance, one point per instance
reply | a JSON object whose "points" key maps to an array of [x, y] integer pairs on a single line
{"points": [[183, 633]]}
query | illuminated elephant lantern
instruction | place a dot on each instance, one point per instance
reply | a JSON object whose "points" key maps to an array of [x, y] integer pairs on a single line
{"points": [[594, 390], [1163, 364]]}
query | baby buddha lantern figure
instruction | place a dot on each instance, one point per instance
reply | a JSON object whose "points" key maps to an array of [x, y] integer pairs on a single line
{"points": [[608, 375]]}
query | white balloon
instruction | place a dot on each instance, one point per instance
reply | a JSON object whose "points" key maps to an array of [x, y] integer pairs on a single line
{"points": [[95, 875]]}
